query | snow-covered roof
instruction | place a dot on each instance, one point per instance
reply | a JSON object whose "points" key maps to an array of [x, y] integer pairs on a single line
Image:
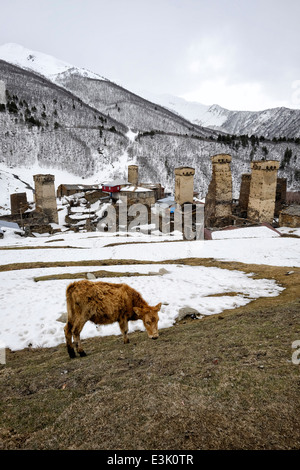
{"points": [[114, 183], [166, 201], [81, 186], [136, 189]]}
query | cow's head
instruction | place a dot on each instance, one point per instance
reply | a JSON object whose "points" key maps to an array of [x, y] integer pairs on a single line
{"points": [[149, 315]]}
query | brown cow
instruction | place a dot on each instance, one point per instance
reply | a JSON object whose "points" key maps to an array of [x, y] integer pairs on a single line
{"points": [[103, 303]]}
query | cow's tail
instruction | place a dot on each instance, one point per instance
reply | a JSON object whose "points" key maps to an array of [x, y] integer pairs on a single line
{"points": [[70, 319]]}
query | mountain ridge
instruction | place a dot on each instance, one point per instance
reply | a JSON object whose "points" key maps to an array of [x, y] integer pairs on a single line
{"points": [[272, 122]]}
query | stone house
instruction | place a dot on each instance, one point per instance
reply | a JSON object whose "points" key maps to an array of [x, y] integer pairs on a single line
{"points": [[290, 216]]}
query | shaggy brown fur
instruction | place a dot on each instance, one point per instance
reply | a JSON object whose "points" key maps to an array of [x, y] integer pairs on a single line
{"points": [[103, 303]]}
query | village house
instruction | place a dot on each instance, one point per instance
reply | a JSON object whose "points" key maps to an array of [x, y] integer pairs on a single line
{"points": [[113, 186], [69, 189], [290, 216], [136, 195]]}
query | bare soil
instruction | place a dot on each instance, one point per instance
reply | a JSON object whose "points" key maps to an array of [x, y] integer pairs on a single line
{"points": [[222, 382]]}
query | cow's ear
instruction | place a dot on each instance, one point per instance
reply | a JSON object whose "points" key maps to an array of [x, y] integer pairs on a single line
{"points": [[157, 307], [138, 311]]}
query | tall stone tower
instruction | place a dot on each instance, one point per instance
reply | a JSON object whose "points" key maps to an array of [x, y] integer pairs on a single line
{"points": [[184, 185], [280, 200], [18, 203], [45, 199], [262, 194], [244, 194], [2, 92], [133, 174], [218, 201]]}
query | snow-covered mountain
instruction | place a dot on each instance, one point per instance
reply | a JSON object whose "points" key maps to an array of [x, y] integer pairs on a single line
{"points": [[78, 125], [270, 123], [201, 114], [40, 63], [275, 122]]}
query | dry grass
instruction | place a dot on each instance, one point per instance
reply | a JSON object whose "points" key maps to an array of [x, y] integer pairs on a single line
{"points": [[223, 382]]}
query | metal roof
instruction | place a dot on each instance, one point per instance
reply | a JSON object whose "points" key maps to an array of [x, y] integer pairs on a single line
{"points": [[5, 223]]}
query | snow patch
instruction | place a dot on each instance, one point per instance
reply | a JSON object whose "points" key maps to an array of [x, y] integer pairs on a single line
{"points": [[35, 321]]}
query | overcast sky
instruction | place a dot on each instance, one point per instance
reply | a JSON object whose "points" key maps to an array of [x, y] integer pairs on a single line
{"points": [[240, 54]]}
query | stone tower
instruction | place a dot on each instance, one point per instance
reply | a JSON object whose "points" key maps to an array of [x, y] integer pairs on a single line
{"points": [[18, 203], [244, 194], [45, 199], [184, 185], [133, 174], [280, 200], [2, 92], [218, 201], [262, 194]]}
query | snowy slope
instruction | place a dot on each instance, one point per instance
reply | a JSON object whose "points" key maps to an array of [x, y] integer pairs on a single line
{"points": [[204, 115], [40, 63], [176, 286]]}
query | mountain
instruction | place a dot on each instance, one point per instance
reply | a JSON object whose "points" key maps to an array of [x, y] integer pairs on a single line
{"points": [[40, 63], [105, 96], [78, 125], [270, 123]]}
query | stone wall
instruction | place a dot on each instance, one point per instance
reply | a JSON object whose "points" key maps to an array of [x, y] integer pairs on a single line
{"points": [[45, 198], [244, 194], [184, 185], [280, 200], [18, 203], [146, 197], [261, 207], [218, 201], [133, 174], [290, 217]]}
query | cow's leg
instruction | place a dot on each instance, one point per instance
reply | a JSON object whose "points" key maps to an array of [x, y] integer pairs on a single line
{"points": [[123, 322], [76, 335], [68, 335]]}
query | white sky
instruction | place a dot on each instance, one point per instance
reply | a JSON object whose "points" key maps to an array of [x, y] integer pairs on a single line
{"points": [[240, 54]]}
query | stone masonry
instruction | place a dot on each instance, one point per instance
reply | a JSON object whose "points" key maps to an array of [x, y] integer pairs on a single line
{"points": [[280, 200], [244, 194], [45, 199], [18, 203], [218, 201], [133, 174], [262, 194], [184, 185], [2, 92]]}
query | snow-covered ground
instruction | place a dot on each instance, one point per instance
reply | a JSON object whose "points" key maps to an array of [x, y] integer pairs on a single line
{"points": [[30, 310]]}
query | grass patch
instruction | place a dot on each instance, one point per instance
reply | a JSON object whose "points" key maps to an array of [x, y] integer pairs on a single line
{"points": [[97, 274], [204, 384]]}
